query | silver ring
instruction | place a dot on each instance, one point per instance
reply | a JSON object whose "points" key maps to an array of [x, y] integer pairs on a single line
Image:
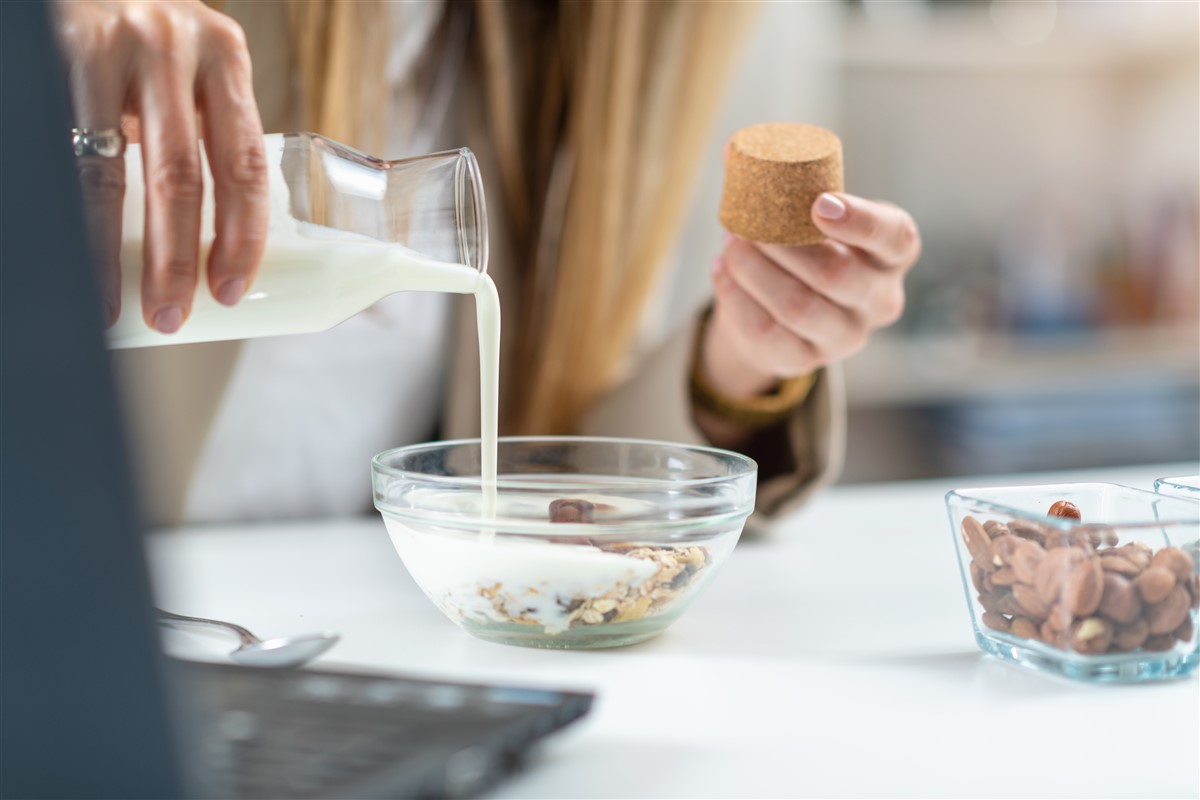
{"points": [[105, 142]]}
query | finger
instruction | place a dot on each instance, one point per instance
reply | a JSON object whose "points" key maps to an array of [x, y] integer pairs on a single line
{"points": [[102, 181], [828, 327], [837, 271], [97, 88], [846, 275], [775, 348], [174, 188], [885, 231], [237, 158]]}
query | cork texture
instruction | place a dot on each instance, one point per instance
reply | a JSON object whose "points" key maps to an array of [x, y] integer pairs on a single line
{"points": [[773, 175]]}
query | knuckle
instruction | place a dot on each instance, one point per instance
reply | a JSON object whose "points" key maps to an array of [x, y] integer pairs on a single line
{"points": [[177, 177], [833, 267], [226, 34], [123, 33], [908, 238], [761, 328], [798, 303], [248, 164], [891, 307], [868, 226], [177, 272], [102, 181], [152, 22]]}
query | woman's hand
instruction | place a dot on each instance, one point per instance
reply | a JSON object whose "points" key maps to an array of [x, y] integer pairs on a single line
{"points": [[783, 311], [155, 66]]}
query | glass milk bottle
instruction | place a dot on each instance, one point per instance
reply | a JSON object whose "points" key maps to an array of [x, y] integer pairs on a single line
{"points": [[345, 231]]}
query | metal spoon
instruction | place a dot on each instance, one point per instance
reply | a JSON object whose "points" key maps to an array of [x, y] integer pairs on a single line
{"points": [[286, 651]]}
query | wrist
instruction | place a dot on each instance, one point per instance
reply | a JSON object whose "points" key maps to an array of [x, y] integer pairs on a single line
{"points": [[728, 419], [725, 368]]}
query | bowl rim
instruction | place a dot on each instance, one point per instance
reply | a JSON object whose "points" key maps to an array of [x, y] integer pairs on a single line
{"points": [[1182, 504], [1189, 483], [749, 467]]}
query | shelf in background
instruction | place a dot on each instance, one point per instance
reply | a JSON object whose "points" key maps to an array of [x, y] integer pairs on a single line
{"points": [[975, 368], [941, 37]]}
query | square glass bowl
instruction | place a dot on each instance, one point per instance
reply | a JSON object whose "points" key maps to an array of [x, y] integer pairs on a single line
{"points": [[1182, 486], [593, 542], [1108, 596]]}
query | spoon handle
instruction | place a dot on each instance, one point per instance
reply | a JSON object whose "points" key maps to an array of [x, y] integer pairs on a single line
{"points": [[246, 636]]}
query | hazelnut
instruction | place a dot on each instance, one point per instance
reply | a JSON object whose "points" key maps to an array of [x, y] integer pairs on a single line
{"points": [[568, 509], [1064, 509]]}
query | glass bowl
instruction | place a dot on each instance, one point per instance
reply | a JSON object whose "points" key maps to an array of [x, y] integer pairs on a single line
{"points": [[595, 542], [1183, 486], [1109, 596]]}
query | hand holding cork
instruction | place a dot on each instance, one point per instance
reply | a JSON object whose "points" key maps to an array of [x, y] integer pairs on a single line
{"points": [[807, 271]]}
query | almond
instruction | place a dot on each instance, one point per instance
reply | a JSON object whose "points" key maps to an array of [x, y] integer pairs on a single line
{"points": [[1175, 560], [1169, 614], [1154, 584], [978, 543], [1130, 637], [1083, 588], [1120, 602]]}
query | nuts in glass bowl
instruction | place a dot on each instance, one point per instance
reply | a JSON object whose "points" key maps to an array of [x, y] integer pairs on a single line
{"points": [[1091, 570], [1084, 591]]}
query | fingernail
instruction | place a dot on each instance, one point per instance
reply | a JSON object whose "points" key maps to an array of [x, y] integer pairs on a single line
{"points": [[168, 319], [231, 291], [727, 238], [830, 207], [716, 265]]}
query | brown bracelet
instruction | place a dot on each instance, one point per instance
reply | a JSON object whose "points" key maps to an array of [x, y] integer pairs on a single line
{"points": [[757, 411]]}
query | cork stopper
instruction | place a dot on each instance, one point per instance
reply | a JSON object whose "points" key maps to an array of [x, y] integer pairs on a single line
{"points": [[773, 175]]}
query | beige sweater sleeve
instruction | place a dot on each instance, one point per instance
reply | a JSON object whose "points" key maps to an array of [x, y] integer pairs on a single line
{"points": [[655, 403]]}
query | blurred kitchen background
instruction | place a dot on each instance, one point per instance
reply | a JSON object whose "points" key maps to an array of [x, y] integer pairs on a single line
{"points": [[1050, 152]]}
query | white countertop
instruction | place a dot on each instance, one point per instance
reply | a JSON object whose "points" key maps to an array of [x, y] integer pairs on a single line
{"points": [[832, 656]]}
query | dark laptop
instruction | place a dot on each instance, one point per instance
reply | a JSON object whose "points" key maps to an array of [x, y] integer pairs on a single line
{"points": [[90, 707]]}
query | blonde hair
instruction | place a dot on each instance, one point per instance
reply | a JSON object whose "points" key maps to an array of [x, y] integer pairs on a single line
{"points": [[598, 112]]}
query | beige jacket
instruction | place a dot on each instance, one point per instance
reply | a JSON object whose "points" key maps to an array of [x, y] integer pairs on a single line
{"points": [[172, 393]]}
